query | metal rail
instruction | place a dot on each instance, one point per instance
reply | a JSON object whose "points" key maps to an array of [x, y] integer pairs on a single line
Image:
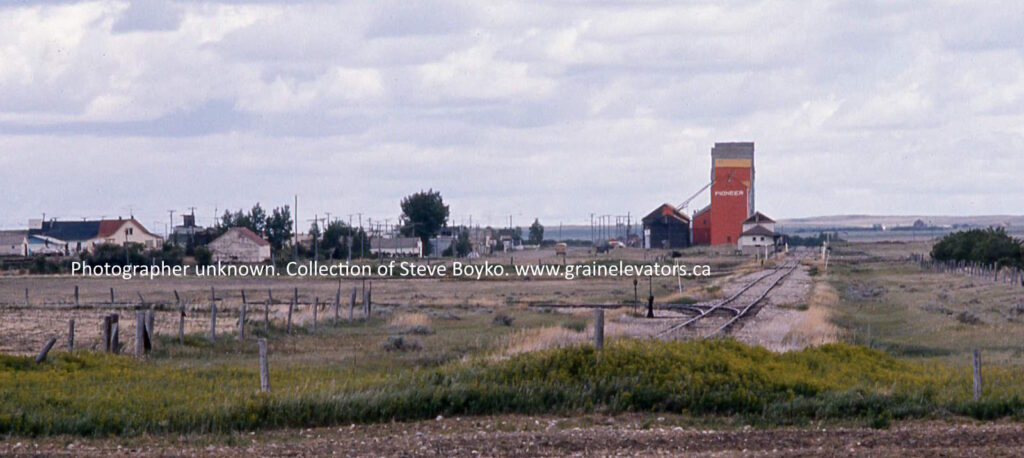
{"points": [[720, 305], [737, 313], [733, 320]]}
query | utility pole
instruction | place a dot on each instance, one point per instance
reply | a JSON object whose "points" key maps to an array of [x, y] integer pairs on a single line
{"points": [[171, 227], [361, 254], [192, 229], [592, 229], [296, 238], [351, 233], [316, 235]]}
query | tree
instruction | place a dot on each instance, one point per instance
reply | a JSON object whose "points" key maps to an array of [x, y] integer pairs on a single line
{"points": [[338, 237], [536, 232], [257, 219], [986, 246], [279, 226], [423, 215]]}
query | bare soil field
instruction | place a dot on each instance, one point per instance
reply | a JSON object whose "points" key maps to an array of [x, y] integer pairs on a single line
{"points": [[870, 294], [588, 435]]}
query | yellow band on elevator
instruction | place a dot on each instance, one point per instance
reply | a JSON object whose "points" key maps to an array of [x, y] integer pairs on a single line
{"points": [[744, 163]]}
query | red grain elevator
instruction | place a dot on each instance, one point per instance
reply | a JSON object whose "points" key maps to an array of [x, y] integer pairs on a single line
{"points": [[732, 191]]}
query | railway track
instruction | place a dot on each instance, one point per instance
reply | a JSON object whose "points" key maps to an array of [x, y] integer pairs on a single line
{"points": [[748, 298]]}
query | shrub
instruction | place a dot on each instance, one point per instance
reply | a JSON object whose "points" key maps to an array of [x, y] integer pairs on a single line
{"points": [[95, 395], [987, 246], [502, 319], [399, 343]]}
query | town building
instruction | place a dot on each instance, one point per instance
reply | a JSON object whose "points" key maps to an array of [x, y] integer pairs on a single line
{"points": [[758, 234], [67, 237], [396, 247], [241, 245], [666, 227], [13, 243]]}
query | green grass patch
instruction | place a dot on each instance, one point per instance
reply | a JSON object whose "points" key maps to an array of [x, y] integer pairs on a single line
{"points": [[96, 395]]}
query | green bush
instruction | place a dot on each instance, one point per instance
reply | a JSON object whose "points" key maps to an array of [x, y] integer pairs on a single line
{"points": [[93, 394], [987, 246]]}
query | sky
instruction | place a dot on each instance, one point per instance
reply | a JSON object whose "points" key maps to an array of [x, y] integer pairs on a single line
{"points": [[549, 110]]}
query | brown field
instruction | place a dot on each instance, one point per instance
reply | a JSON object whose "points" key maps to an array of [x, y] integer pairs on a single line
{"points": [[871, 294]]}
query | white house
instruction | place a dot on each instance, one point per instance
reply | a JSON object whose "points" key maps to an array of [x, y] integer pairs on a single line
{"points": [[68, 237], [397, 246], [758, 233], [13, 243], [240, 244]]}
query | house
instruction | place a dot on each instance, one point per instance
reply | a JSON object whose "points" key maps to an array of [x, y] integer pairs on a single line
{"points": [[758, 234], [666, 227], [397, 246], [240, 244], [13, 243], [68, 237]]}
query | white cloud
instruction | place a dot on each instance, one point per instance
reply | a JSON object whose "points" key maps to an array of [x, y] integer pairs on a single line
{"points": [[559, 110]]}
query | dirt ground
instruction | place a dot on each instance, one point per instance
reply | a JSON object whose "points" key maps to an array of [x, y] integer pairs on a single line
{"points": [[792, 317], [591, 435]]}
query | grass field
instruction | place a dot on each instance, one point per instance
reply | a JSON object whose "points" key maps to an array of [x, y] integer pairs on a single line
{"points": [[889, 303], [433, 349], [105, 395]]}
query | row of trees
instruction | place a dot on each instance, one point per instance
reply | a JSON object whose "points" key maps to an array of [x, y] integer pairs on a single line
{"points": [[275, 226], [987, 246]]}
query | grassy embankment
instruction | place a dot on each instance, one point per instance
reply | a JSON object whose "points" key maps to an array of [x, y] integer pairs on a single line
{"points": [[90, 394]]}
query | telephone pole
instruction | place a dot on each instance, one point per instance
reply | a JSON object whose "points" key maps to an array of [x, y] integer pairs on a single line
{"points": [[296, 237], [171, 227]]}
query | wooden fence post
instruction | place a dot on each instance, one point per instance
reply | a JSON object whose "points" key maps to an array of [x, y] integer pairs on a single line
{"points": [[266, 311], [316, 305], [181, 318], [367, 301], [150, 324], [76, 295], [26, 298], [598, 329], [111, 295], [264, 367], [140, 334], [241, 318], [142, 301], [213, 315], [291, 308], [351, 304], [46, 349], [71, 335], [977, 374], [337, 304], [105, 331], [115, 334]]}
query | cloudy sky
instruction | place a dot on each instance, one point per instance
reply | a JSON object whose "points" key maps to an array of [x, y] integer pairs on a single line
{"points": [[553, 110]]}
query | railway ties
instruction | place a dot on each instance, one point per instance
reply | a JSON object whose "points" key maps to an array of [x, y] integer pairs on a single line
{"points": [[739, 305]]}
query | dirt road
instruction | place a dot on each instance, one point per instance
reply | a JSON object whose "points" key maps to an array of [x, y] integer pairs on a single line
{"points": [[592, 435]]}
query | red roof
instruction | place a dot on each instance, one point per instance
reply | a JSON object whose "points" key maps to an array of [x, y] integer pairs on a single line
{"points": [[666, 210], [109, 227]]}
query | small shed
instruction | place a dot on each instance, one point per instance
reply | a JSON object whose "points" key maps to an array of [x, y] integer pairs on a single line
{"points": [[666, 227], [240, 244]]}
